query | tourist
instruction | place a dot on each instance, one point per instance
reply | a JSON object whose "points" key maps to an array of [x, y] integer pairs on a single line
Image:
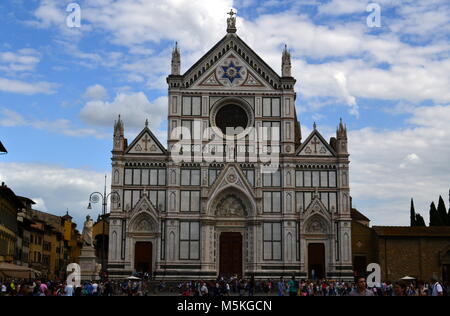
{"points": [[94, 289], [281, 287], [43, 289], [68, 290], [400, 289], [251, 286], [204, 290], [293, 286], [436, 288], [361, 288]]}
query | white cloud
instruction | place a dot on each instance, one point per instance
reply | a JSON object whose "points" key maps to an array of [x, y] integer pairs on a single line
{"points": [[49, 13], [9, 118], [96, 92], [135, 22], [40, 204], [56, 188], [22, 60], [134, 108], [21, 87], [341, 80], [422, 18], [380, 188], [340, 7]]}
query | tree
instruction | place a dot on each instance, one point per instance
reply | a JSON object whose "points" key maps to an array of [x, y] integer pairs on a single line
{"points": [[442, 211], [435, 219], [413, 214], [420, 222], [448, 215]]}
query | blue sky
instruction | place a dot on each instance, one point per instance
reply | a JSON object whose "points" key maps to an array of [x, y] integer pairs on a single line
{"points": [[61, 88]]}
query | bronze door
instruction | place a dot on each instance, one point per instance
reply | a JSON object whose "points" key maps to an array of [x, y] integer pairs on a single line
{"points": [[230, 254]]}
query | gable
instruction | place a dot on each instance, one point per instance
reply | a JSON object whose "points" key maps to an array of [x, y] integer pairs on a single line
{"points": [[231, 72], [316, 146], [249, 71], [146, 144]]}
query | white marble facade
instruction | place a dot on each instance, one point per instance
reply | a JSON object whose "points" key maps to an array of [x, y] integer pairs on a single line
{"points": [[178, 211]]}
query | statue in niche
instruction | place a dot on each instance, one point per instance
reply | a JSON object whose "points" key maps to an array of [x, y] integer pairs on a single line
{"points": [[230, 207]]}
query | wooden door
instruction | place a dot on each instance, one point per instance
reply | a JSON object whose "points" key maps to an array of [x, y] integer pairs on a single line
{"points": [[316, 261], [143, 257], [230, 254]]}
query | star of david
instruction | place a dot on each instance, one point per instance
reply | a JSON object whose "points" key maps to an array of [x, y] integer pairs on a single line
{"points": [[231, 72]]}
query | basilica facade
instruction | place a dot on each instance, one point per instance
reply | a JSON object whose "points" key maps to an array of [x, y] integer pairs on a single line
{"points": [[237, 190]]}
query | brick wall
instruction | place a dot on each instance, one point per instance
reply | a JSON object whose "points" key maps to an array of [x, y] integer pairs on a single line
{"points": [[413, 256]]}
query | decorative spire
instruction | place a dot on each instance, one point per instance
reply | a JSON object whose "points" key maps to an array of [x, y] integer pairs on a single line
{"points": [[286, 68], [118, 127], [146, 123], [315, 126], [231, 22], [176, 60], [342, 130]]}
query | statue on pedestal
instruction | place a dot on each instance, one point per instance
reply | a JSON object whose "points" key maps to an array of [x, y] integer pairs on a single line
{"points": [[88, 232]]}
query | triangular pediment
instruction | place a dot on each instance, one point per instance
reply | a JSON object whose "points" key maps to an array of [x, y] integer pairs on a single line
{"points": [[231, 72], [316, 216], [316, 207], [316, 146], [232, 179], [231, 64], [144, 216], [146, 144], [232, 175]]}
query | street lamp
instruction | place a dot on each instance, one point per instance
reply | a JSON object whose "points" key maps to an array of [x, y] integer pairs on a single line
{"points": [[96, 197]]}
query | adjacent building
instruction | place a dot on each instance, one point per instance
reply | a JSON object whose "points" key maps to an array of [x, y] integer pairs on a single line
{"points": [[34, 243], [10, 204], [419, 252]]}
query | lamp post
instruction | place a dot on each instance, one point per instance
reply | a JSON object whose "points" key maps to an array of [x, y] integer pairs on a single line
{"points": [[96, 197]]}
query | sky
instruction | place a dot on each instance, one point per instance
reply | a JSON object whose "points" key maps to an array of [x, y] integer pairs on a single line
{"points": [[61, 88]]}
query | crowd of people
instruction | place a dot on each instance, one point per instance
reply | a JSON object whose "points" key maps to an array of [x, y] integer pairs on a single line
{"points": [[52, 288], [294, 287], [225, 287]]}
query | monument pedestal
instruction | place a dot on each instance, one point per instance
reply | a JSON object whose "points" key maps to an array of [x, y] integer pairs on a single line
{"points": [[88, 264]]}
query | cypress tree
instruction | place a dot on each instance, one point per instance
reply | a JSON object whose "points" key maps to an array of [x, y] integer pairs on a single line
{"points": [[413, 214], [442, 211], [420, 222], [435, 219], [448, 215]]}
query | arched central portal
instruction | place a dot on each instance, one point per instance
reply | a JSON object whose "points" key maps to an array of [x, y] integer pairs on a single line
{"points": [[232, 208], [230, 255]]}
